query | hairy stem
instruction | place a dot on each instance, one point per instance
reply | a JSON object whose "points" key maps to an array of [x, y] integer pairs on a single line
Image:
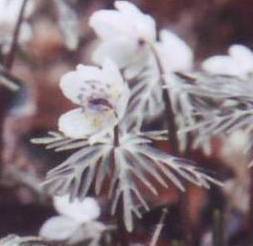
{"points": [[116, 136], [171, 125], [14, 44], [172, 136], [123, 234]]}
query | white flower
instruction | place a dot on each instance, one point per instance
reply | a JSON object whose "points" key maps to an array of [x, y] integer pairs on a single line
{"points": [[102, 96], [127, 21], [9, 12], [123, 33], [72, 216], [238, 62], [174, 53]]}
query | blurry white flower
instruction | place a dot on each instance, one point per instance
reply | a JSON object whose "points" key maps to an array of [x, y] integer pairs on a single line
{"points": [[174, 53], [68, 24], [175, 56], [9, 12], [124, 33], [238, 62], [102, 96], [207, 239], [72, 216], [233, 152]]}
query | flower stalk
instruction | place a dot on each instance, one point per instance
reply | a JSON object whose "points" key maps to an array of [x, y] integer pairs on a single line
{"points": [[120, 221], [116, 136], [14, 44], [174, 144], [172, 129]]}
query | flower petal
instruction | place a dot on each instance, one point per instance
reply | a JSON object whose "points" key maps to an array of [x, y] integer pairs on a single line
{"points": [[9, 10], [112, 75], [25, 33], [74, 124], [82, 212], [120, 50], [73, 83], [175, 54], [127, 8], [221, 65], [144, 24], [119, 89], [58, 228], [128, 22], [109, 24], [243, 56], [79, 124], [127, 54]]}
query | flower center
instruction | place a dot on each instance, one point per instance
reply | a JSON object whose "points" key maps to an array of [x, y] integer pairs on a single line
{"points": [[99, 104]]}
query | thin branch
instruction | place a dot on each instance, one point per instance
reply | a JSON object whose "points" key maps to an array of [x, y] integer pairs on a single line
{"points": [[123, 234], [173, 138], [116, 136], [172, 129]]}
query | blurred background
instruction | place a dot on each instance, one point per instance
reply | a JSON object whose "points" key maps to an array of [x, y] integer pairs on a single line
{"points": [[209, 27]]}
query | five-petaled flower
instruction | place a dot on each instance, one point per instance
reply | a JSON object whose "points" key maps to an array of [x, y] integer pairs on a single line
{"points": [[128, 36], [124, 33], [238, 62], [174, 53], [102, 96], [72, 216]]}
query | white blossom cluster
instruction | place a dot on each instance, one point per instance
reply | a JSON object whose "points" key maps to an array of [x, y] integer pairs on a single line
{"points": [[114, 99], [68, 22]]}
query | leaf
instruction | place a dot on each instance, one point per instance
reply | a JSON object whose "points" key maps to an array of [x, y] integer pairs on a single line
{"points": [[8, 80], [134, 159]]}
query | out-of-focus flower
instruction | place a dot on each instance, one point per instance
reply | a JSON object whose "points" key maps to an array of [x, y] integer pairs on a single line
{"points": [[174, 53], [102, 96], [233, 152], [124, 33], [72, 216], [9, 12], [238, 62], [68, 24], [176, 56], [129, 38]]}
